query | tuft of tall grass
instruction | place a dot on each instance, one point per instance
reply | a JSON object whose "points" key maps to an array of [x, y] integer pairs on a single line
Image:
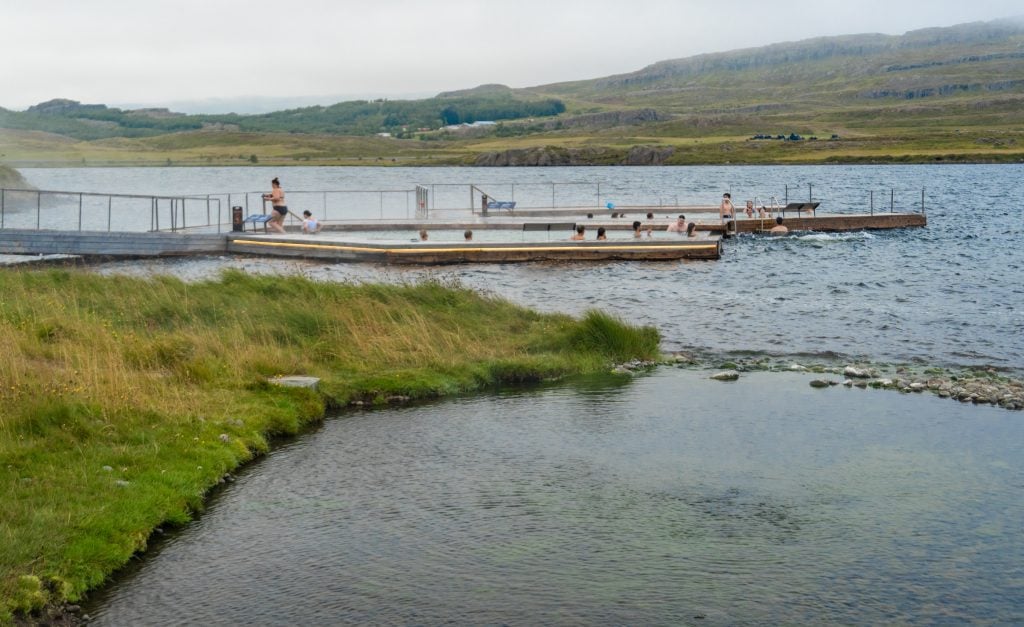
{"points": [[602, 334], [122, 401]]}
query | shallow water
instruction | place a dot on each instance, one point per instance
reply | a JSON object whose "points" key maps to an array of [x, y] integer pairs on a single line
{"points": [[949, 294], [667, 499]]}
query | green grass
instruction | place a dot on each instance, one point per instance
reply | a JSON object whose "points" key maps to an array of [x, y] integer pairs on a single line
{"points": [[122, 401]]}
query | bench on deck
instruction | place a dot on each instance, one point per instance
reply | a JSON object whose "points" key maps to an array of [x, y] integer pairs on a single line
{"points": [[255, 219], [799, 207], [501, 204], [549, 226]]}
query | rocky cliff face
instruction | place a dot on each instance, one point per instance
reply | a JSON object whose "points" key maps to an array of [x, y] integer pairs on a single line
{"points": [[555, 155]]}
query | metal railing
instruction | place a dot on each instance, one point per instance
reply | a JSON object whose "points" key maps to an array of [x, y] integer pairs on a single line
{"points": [[92, 211]]}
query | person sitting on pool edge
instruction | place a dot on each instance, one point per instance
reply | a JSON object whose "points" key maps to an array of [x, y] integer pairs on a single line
{"points": [[578, 237], [779, 228], [309, 223], [601, 233], [679, 226]]}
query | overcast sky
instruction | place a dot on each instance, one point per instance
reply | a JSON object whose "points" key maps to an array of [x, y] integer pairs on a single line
{"points": [[171, 52]]}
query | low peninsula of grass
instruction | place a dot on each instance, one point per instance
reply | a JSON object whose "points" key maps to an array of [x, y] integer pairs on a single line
{"points": [[123, 401]]}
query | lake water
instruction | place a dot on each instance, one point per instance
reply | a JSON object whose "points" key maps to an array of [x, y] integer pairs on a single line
{"points": [[665, 499], [950, 294]]}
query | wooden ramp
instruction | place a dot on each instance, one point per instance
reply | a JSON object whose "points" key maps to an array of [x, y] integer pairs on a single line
{"points": [[472, 252], [113, 244]]}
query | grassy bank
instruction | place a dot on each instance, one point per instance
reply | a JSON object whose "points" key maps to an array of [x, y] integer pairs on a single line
{"points": [[122, 401], [604, 147]]}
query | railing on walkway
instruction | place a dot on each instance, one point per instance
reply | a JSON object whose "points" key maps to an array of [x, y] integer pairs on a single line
{"points": [[91, 211]]}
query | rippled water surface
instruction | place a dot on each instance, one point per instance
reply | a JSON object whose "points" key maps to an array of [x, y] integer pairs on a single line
{"points": [[667, 499], [948, 294]]}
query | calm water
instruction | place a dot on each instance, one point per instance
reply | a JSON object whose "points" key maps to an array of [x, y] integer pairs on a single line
{"points": [[949, 294], [668, 499]]}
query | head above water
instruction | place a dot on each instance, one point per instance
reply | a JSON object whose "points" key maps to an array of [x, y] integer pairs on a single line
{"points": [[468, 234], [690, 228], [636, 225], [307, 213], [778, 220], [275, 182], [600, 231], [580, 229], [726, 195]]}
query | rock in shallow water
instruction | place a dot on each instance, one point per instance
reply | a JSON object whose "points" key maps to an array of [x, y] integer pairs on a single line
{"points": [[725, 376], [820, 383]]}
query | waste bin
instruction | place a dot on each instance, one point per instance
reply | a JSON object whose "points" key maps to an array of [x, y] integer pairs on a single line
{"points": [[237, 217]]}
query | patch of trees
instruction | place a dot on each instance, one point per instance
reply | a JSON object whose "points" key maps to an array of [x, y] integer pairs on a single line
{"points": [[359, 117]]}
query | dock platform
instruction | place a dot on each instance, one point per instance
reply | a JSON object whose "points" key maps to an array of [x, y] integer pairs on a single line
{"points": [[346, 249]]}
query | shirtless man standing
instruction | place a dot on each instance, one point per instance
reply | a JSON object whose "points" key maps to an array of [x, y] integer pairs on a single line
{"points": [[726, 211], [280, 211]]}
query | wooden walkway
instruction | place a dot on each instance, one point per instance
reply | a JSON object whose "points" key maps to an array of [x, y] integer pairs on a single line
{"points": [[320, 247], [344, 245]]}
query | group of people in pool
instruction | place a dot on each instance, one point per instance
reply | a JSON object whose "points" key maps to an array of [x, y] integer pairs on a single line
{"points": [[726, 211]]}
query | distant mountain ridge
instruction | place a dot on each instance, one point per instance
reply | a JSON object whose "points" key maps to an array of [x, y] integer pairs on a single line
{"points": [[823, 48], [932, 82]]}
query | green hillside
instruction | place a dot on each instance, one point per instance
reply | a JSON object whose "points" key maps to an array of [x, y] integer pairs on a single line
{"points": [[938, 94], [926, 75]]}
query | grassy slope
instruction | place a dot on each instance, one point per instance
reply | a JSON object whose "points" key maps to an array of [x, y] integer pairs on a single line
{"points": [[123, 400], [710, 105]]}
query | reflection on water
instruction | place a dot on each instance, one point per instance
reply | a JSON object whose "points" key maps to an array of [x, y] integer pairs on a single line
{"points": [[670, 499]]}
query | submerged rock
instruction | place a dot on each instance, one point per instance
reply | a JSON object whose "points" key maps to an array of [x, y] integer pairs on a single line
{"points": [[820, 383], [857, 373]]}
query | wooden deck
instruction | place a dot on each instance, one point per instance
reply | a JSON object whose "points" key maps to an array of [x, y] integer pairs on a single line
{"points": [[318, 247], [343, 245], [826, 223]]}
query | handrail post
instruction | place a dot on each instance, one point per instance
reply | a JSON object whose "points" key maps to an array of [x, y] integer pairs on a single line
{"points": [[872, 192], [381, 194], [110, 202], [892, 199], [79, 211], [552, 195], [599, 194], [922, 201], [3, 198], [39, 208], [207, 210]]}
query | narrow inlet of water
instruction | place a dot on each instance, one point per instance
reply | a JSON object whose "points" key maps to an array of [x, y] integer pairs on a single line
{"points": [[666, 499]]}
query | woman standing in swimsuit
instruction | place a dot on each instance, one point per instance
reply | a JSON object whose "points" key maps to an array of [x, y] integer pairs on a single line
{"points": [[280, 212]]}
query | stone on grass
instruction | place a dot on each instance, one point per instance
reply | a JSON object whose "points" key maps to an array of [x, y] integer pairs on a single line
{"points": [[296, 382]]}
